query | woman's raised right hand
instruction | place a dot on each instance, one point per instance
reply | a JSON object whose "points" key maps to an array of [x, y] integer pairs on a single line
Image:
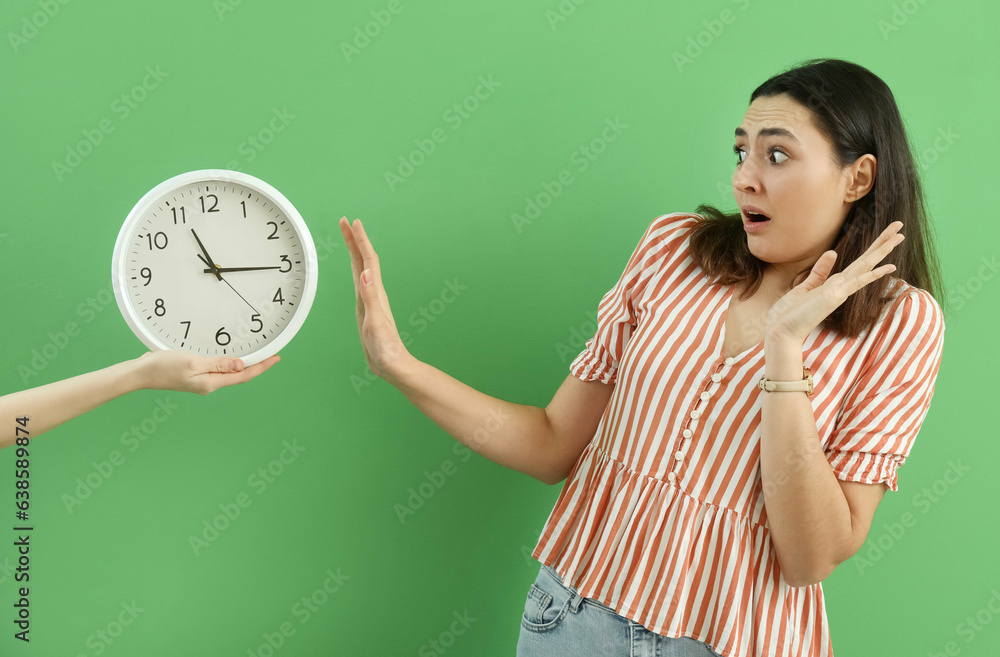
{"points": [[384, 350]]}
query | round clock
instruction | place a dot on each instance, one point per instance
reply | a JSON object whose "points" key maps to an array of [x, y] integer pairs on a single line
{"points": [[215, 262]]}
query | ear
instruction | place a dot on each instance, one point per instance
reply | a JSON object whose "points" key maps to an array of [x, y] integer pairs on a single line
{"points": [[860, 177]]}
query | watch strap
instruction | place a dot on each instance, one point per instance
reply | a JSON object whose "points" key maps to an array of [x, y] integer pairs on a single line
{"points": [[805, 385]]}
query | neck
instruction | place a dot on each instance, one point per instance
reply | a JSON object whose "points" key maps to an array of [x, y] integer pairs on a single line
{"points": [[779, 279]]}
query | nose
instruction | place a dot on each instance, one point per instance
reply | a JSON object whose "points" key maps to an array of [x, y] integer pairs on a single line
{"points": [[745, 178]]}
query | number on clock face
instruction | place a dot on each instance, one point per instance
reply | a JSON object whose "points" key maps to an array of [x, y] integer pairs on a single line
{"points": [[215, 268]]}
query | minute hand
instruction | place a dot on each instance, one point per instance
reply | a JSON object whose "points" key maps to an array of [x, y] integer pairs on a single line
{"points": [[228, 269]]}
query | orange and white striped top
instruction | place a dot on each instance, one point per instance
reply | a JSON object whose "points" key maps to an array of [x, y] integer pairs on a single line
{"points": [[662, 518]]}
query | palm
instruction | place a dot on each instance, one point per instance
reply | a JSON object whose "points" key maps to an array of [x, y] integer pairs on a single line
{"points": [[798, 312]]}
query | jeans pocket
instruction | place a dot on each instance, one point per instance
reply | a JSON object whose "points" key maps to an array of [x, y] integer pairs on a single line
{"points": [[547, 603]]}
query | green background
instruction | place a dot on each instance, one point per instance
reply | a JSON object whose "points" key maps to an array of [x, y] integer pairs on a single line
{"points": [[530, 295]]}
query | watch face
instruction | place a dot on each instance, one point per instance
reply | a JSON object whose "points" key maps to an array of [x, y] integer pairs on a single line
{"points": [[217, 263]]}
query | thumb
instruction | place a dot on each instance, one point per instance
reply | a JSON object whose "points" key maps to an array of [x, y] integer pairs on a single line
{"points": [[226, 365], [368, 290], [368, 297], [821, 268]]}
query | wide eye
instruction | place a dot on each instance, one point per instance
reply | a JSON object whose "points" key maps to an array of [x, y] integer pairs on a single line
{"points": [[775, 152], [740, 154]]}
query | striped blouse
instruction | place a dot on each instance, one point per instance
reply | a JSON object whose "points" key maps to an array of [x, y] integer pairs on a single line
{"points": [[662, 518]]}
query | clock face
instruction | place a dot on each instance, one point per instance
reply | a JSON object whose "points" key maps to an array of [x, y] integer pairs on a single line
{"points": [[217, 263]]}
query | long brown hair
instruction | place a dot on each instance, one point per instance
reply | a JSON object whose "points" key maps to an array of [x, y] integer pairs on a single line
{"points": [[856, 111]]}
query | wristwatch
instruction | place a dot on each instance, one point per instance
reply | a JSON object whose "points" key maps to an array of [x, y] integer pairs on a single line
{"points": [[805, 385]]}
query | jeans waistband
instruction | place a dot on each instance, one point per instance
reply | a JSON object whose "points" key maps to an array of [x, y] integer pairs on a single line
{"points": [[575, 598]]}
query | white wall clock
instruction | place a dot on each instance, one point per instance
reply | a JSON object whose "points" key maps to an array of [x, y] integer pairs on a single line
{"points": [[215, 262]]}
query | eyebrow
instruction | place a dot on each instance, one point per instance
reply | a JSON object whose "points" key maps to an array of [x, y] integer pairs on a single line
{"points": [[770, 132]]}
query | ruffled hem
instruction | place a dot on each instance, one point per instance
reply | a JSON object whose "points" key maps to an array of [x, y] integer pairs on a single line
{"points": [[675, 564]]}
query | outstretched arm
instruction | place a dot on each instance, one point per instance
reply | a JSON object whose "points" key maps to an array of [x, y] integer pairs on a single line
{"points": [[50, 405]]}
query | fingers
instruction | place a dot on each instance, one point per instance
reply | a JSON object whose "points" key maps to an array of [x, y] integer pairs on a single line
{"points": [[366, 261], [237, 373], [369, 258], [882, 246], [362, 254], [863, 271], [362, 257], [352, 248]]}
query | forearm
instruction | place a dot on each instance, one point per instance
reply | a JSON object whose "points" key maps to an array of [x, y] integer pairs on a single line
{"points": [[807, 513], [50, 405], [516, 436]]}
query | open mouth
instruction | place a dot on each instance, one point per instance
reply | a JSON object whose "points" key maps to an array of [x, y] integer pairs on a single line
{"points": [[755, 217]]}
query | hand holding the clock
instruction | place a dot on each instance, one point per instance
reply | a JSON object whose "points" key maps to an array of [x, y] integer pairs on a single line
{"points": [[384, 350], [187, 372], [50, 405]]}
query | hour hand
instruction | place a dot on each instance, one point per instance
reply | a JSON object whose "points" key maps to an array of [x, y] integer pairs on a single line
{"points": [[207, 259]]}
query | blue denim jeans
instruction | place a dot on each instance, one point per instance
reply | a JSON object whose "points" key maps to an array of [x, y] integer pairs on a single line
{"points": [[558, 621]]}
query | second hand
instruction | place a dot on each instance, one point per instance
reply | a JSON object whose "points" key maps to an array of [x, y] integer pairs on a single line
{"points": [[215, 270], [240, 296]]}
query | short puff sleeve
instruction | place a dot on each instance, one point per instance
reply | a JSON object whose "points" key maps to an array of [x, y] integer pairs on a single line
{"points": [[616, 314], [882, 412]]}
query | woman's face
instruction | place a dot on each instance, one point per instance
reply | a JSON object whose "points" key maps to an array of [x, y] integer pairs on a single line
{"points": [[787, 172]]}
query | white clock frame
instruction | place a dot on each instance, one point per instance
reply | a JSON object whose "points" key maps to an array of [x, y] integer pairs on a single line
{"points": [[120, 278]]}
